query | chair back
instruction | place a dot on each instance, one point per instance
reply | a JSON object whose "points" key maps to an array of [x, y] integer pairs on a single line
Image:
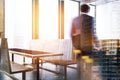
{"points": [[4, 56]]}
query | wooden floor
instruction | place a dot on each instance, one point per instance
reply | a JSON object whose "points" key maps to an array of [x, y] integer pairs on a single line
{"points": [[72, 74], [110, 71]]}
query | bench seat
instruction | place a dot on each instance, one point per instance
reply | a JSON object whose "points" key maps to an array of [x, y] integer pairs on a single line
{"points": [[18, 68], [61, 62]]}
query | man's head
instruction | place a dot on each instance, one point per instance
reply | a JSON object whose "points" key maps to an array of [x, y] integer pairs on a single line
{"points": [[85, 8]]}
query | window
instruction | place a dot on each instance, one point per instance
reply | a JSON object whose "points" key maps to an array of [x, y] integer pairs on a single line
{"points": [[71, 11], [48, 19], [18, 22], [108, 20]]}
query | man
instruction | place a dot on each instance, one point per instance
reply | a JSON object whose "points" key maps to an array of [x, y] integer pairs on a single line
{"points": [[83, 32], [83, 36]]}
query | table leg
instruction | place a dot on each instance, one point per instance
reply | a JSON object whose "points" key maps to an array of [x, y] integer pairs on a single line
{"points": [[12, 57], [34, 61], [24, 60], [37, 68]]}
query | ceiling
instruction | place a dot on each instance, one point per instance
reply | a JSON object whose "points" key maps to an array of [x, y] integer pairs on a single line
{"points": [[96, 2]]}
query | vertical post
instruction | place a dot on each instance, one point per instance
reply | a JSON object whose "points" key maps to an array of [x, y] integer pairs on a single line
{"points": [[79, 8], [61, 19], [2, 18], [95, 16], [35, 19]]}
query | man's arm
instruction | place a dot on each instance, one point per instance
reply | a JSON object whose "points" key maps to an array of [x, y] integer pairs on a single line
{"points": [[72, 29]]}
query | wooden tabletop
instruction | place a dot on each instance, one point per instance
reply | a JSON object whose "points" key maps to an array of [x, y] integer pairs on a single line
{"points": [[32, 53]]}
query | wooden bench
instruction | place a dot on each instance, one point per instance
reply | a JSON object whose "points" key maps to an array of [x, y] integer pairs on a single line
{"points": [[59, 46], [6, 65]]}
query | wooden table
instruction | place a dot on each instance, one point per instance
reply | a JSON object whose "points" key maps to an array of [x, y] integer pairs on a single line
{"points": [[32, 54]]}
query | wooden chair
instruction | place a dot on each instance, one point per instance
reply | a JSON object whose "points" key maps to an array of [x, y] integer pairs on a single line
{"points": [[8, 66]]}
